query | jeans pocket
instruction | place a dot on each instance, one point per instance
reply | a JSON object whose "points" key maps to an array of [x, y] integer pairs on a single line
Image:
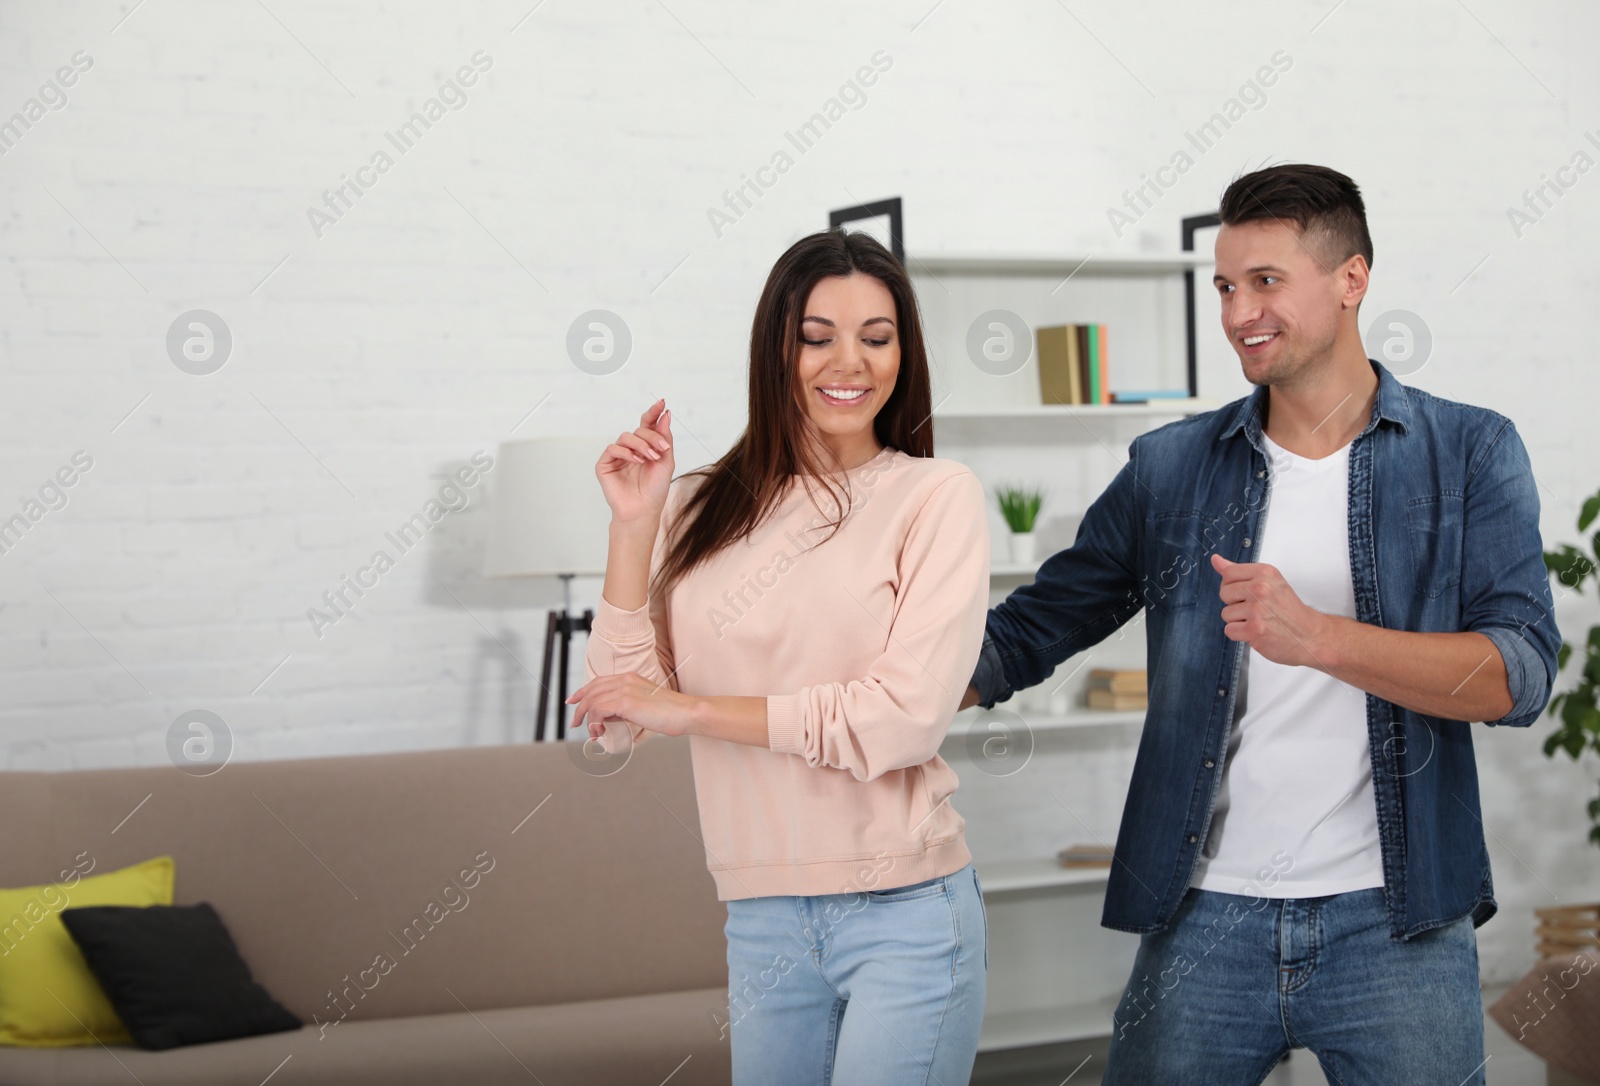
{"points": [[983, 911], [912, 892]]}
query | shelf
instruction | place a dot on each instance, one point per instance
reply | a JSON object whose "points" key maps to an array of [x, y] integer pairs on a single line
{"points": [[1011, 876], [1045, 722], [1022, 264], [1152, 409], [1047, 1025], [1058, 981]]}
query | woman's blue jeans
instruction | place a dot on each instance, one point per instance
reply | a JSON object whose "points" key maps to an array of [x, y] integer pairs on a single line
{"points": [[871, 988], [1234, 982]]}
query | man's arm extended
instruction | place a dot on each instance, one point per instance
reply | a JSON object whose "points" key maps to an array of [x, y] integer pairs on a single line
{"points": [[1079, 596]]}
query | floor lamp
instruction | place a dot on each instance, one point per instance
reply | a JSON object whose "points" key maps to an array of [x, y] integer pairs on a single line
{"points": [[549, 519]]}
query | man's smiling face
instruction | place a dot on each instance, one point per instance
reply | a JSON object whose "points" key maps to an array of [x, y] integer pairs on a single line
{"points": [[1282, 298]]}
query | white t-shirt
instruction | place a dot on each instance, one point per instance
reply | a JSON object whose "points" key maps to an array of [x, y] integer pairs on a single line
{"points": [[1295, 814]]}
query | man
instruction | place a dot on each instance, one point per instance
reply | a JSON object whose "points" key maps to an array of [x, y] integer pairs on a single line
{"points": [[1301, 850]]}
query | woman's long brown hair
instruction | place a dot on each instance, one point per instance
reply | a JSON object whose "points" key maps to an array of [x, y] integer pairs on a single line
{"points": [[746, 484]]}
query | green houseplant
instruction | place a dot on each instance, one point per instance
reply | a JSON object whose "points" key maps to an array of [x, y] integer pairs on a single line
{"points": [[1020, 508], [1576, 708]]}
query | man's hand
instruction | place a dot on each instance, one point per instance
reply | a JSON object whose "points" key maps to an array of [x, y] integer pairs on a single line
{"points": [[1261, 609], [970, 698]]}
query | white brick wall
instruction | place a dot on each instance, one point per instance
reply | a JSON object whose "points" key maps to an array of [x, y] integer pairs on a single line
{"points": [[405, 338]]}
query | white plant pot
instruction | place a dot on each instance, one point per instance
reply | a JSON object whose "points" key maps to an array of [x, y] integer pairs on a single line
{"points": [[1022, 551]]}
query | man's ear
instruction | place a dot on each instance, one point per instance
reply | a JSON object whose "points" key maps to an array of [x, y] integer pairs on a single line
{"points": [[1353, 276]]}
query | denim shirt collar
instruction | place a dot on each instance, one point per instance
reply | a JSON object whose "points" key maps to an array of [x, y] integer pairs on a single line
{"points": [[1391, 404]]}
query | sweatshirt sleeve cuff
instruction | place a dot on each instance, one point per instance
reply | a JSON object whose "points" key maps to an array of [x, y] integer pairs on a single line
{"points": [[785, 733], [621, 627]]}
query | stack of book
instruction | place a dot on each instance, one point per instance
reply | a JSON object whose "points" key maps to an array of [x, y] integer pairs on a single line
{"points": [[1072, 364], [1146, 395], [1118, 688], [1085, 856], [1073, 370]]}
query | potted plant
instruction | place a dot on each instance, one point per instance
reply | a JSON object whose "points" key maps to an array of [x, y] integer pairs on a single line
{"points": [[1576, 708], [1020, 507]]}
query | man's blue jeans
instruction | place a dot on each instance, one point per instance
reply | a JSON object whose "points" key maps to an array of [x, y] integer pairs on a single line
{"points": [[872, 988], [1234, 982]]}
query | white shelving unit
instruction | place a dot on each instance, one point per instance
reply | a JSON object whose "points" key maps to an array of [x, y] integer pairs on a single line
{"points": [[1165, 408], [1055, 974], [1046, 264], [1138, 295], [965, 721], [1012, 876], [1046, 1025]]}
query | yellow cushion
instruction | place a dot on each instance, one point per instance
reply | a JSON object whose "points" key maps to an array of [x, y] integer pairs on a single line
{"points": [[48, 997]]}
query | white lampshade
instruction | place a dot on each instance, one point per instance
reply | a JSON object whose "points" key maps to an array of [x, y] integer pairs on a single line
{"points": [[549, 515]]}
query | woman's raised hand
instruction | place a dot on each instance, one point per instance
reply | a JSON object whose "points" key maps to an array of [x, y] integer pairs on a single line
{"points": [[636, 469]]}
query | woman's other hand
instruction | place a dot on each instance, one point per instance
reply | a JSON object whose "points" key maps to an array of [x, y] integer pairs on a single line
{"points": [[631, 697], [636, 469]]}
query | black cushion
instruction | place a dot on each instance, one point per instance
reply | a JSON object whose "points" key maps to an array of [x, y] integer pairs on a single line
{"points": [[173, 974]]}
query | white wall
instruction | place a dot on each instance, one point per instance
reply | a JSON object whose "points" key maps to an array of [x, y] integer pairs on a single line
{"points": [[427, 322]]}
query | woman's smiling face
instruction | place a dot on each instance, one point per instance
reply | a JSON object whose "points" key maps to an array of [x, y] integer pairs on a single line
{"points": [[849, 358]]}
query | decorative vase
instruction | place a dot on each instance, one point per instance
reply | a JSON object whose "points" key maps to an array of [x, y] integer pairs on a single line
{"points": [[1022, 548]]}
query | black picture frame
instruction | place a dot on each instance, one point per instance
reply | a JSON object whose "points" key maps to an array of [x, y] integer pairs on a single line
{"points": [[1190, 225], [890, 207]]}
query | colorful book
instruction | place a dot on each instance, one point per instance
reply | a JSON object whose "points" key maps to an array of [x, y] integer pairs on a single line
{"points": [[1058, 375], [1118, 680], [1081, 338], [1074, 365], [1107, 699], [1085, 856], [1096, 376], [1105, 366], [1146, 395]]}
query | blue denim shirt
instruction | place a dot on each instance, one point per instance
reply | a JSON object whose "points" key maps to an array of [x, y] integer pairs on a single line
{"points": [[1444, 537]]}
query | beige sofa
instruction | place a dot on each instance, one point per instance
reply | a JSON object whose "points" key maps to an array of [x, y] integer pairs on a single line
{"points": [[590, 949]]}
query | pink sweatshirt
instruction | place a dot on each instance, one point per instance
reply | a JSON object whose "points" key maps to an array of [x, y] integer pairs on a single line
{"points": [[863, 647]]}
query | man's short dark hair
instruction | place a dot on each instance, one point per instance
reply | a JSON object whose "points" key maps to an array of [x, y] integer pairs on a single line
{"points": [[1325, 205]]}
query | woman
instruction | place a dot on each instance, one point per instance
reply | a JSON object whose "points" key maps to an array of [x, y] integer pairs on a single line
{"points": [[808, 610]]}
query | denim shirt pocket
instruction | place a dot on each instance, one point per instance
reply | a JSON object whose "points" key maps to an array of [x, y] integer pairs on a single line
{"points": [[1435, 527], [1177, 549]]}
